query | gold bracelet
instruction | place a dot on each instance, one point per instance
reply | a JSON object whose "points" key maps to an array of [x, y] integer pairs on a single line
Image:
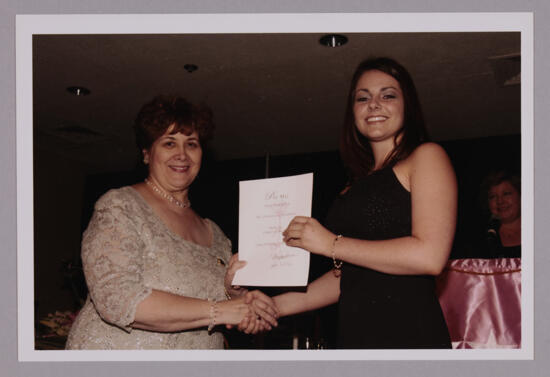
{"points": [[337, 264], [227, 295], [213, 314]]}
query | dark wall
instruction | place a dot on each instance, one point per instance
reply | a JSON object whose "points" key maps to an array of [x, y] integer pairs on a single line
{"points": [[473, 159], [215, 193], [58, 201]]}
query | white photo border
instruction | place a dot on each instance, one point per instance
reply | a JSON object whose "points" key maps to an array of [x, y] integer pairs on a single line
{"points": [[29, 25]]}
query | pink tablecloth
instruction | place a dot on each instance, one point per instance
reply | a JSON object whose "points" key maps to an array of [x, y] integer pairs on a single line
{"points": [[481, 301]]}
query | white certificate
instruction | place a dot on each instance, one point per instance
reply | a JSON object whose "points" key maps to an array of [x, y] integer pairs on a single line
{"points": [[266, 206]]}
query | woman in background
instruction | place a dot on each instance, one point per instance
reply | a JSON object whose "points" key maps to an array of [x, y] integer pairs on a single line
{"points": [[391, 229], [503, 190], [154, 268]]}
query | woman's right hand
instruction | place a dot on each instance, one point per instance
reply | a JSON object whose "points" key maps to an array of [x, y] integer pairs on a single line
{"points": [[253, 312], [265, 309]]}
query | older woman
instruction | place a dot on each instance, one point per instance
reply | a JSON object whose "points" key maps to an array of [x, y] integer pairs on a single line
{"points": [[154, 268], [503, 190], [391, 229]]}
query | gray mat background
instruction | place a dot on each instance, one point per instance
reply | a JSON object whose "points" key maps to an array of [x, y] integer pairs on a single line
{"points": [[9, 366]]}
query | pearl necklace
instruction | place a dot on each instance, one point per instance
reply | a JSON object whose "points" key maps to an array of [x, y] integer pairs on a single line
{"points": [[167, 196]]}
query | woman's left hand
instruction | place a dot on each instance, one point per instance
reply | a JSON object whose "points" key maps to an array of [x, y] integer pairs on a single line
{"points": [[308, 234], [234, 264]]}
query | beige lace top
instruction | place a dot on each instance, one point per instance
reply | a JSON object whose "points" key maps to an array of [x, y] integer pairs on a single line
{"points": [[126, 252]]}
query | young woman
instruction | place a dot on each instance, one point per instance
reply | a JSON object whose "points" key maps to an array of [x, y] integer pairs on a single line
{"points": [[390, 230]]}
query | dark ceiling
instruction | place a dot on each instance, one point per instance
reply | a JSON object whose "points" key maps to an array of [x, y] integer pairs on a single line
{"points": [[276, 93]]}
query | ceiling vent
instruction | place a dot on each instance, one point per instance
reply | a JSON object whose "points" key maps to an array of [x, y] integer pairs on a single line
{"points": [[507, 69], [76, 134]]}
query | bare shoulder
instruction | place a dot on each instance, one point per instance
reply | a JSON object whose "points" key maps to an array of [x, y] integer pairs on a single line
{"points": [[426, 155], [428, 151], [429, 156], [430, 164], [425, 161]]}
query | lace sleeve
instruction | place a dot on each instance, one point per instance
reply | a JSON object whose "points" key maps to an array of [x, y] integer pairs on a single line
{"points": [[227, 249], [225, 243], [113, 263]]}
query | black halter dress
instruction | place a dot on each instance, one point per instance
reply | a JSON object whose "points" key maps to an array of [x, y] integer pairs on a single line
{"points": [[378, 310]]}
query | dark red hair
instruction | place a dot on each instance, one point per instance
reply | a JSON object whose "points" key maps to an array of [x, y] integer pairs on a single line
{"points": [[162, 112]]}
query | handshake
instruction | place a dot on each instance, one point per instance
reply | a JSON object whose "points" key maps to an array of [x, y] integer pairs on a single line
{"points": [[253, 311]]}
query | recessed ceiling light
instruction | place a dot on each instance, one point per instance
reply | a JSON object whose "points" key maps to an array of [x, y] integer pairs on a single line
{"points": [[190, 67], [78, 90], [333, 40]]}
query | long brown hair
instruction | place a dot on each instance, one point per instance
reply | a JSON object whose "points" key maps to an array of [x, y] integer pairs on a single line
{"points": [[355, 149]]}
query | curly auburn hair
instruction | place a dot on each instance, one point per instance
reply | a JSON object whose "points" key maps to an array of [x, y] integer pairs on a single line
{"points": [[163, 112]]}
